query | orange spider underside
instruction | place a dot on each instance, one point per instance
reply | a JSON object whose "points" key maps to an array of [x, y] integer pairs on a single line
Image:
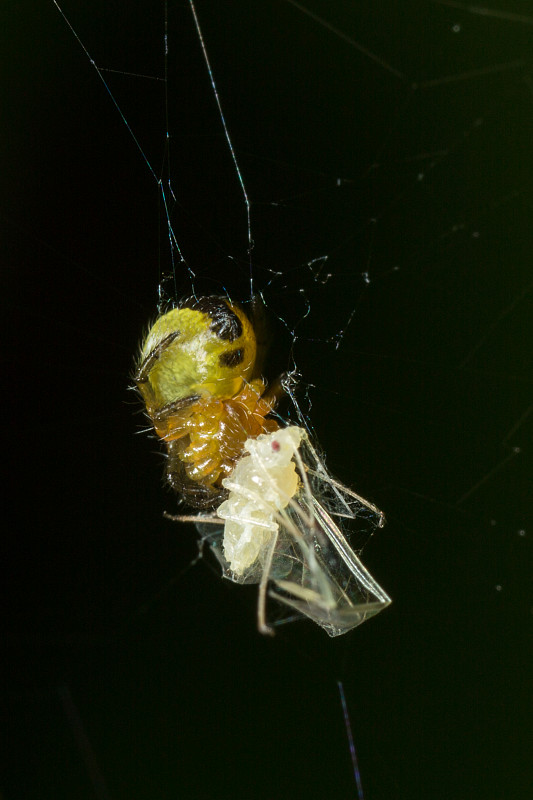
{"points": [[208, 436]]}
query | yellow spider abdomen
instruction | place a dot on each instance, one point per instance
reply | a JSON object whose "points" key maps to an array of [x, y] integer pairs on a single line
{"points": [[206, 347]]}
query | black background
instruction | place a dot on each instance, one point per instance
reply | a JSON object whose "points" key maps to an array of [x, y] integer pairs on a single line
{"points": [[397, 142]]}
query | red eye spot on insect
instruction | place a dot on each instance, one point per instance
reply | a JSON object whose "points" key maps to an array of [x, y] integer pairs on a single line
{"points": [[276, 447]]}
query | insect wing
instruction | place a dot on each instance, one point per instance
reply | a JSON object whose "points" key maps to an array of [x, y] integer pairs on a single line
{"points": [[326, 581]]}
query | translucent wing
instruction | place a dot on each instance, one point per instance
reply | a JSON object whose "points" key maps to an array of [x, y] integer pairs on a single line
{"points": [[298, 538]]}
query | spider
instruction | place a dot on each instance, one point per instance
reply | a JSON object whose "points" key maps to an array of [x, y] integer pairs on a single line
{"points": [[273, 503], [197, 375]]}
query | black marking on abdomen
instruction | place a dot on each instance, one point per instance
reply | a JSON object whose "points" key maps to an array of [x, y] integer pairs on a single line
{"points": [[231, 358], [225, 323]]}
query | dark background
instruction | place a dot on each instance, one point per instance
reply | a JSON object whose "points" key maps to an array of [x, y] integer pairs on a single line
{"points": [[399, 143]]}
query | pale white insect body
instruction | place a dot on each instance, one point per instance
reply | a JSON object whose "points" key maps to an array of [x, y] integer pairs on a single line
{"points": [[279, 531], [261, 485]]}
